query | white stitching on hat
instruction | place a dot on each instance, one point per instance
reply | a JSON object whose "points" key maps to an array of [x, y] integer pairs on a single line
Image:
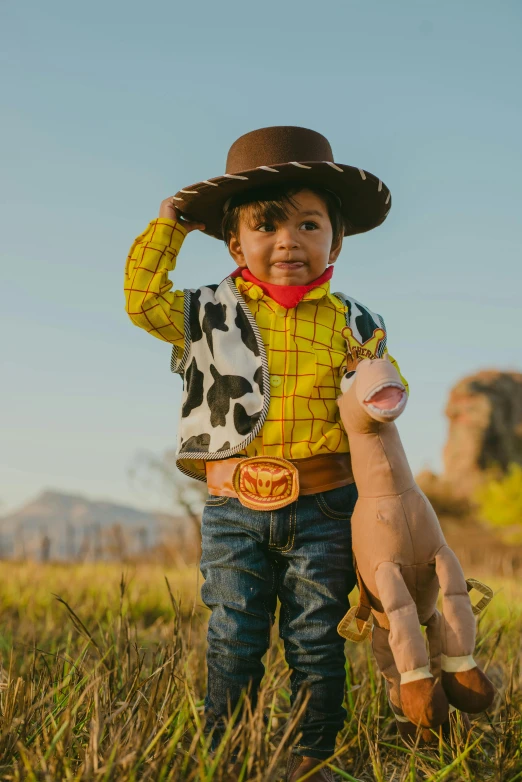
{"points": [[299, 165], [387, 198], [362, 173], [235, 176], [174, 198], [208, 182], [379, 187], [190, 192], [267, 168], [332, 165]]}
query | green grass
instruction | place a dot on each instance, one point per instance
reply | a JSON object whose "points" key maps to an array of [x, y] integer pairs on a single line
{"points": [[103, 678]]}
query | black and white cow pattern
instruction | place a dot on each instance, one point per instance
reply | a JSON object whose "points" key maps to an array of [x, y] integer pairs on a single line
{"points": [[194, 387], [214, 319], [222, 408], [223, 389], [225, 371], [363, 321], [247, 332]]}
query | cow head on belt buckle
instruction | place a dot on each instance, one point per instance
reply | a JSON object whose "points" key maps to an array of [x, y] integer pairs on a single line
{"points": [[266, 482]]}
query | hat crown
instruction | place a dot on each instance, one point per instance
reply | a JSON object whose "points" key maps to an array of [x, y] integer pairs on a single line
{"points": [[278, 144]]}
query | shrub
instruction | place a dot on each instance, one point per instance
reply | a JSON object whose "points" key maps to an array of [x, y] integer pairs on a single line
{"points": [[499, 502]]}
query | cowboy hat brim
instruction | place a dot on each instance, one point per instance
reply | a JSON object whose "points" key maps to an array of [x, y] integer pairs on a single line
{"points": [[365, 200]]}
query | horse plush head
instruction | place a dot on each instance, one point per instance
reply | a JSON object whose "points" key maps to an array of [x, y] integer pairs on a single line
{"points": [[372, 384]]}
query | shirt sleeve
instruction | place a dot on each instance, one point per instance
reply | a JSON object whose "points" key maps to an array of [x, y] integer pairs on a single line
{"points": [[149, 300]]}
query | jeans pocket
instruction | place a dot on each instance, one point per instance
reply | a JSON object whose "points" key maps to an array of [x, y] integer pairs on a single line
{"points": [[214, 502], [338, 503]]}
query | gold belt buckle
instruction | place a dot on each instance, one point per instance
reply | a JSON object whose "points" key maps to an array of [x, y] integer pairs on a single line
{"points": [[266, 482]]}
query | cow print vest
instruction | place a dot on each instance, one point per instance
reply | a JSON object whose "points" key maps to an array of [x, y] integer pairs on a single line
{"points": [[226, 388]]}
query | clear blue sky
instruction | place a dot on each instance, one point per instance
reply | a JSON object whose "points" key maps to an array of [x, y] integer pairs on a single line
{"points": [[109, 107]]}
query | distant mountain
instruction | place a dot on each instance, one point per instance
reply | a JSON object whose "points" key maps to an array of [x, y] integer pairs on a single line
{"points": [[64, 523]]}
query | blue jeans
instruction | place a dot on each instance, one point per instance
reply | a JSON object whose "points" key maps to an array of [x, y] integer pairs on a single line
{"points": [[301, 554]]}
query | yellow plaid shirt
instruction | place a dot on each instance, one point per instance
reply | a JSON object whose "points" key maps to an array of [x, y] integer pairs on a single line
{"points": [[305, 348]]}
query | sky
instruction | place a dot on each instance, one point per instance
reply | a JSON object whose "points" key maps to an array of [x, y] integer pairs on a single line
{"points": [[110, 107]]}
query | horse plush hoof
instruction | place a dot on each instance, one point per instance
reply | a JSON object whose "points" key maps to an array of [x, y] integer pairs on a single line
{"points": [[469, 691], [424, 702]]}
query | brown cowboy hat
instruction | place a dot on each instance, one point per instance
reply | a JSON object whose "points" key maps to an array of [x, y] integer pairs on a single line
{"points": [[280, 155]]}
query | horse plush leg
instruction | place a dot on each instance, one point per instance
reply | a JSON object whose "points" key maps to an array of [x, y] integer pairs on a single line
{"points": [[385, 660], [422, 698], [466, 686], [410, 734], [433, 636]]}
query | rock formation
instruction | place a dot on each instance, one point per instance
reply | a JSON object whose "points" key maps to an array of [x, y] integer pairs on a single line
{"points": [[485, 428]]}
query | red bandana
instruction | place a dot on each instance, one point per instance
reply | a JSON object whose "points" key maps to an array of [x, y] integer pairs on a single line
{"points": [[287, 296]]}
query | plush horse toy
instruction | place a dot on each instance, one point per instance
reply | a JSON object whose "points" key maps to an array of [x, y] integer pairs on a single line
{"points": [[402, 559]]}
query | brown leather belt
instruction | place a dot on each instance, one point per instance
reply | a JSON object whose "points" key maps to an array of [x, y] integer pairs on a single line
{"points": [[311, 476]]}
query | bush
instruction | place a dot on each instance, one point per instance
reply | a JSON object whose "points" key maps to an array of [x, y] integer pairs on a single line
{"points": [[499, 502]]}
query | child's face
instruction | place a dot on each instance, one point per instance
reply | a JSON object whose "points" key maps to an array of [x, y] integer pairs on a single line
{"points": [[293, 252]]}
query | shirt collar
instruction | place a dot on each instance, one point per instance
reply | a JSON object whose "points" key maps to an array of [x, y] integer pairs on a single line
{"points": [[255, 290], [256, 293]]}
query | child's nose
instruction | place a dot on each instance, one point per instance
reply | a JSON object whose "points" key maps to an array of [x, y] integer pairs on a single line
{"points": [[287, 238]]}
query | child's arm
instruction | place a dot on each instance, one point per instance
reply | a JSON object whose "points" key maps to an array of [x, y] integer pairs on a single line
{"points": [[149, 300]]}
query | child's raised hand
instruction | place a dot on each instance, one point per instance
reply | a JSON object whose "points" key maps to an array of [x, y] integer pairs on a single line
{"points": [[167, 209]]}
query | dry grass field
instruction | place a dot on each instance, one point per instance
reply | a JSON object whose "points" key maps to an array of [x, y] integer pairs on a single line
{"points": [[103, 674]]}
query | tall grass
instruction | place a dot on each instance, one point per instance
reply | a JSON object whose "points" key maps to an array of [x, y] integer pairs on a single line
{"points": [[103, 678]]}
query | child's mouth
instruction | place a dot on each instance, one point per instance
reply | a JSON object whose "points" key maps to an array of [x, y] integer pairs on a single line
{"points": [[289, 264]]}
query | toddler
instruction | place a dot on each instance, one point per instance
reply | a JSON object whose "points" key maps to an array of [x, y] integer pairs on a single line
{"points": [[261, 356]]}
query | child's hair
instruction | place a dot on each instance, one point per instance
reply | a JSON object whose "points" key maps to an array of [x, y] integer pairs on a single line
{"points": [[272, 205]]}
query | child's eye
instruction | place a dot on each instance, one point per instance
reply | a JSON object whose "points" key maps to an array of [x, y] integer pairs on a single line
{"points": [[266, 227], [309, 225]]}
